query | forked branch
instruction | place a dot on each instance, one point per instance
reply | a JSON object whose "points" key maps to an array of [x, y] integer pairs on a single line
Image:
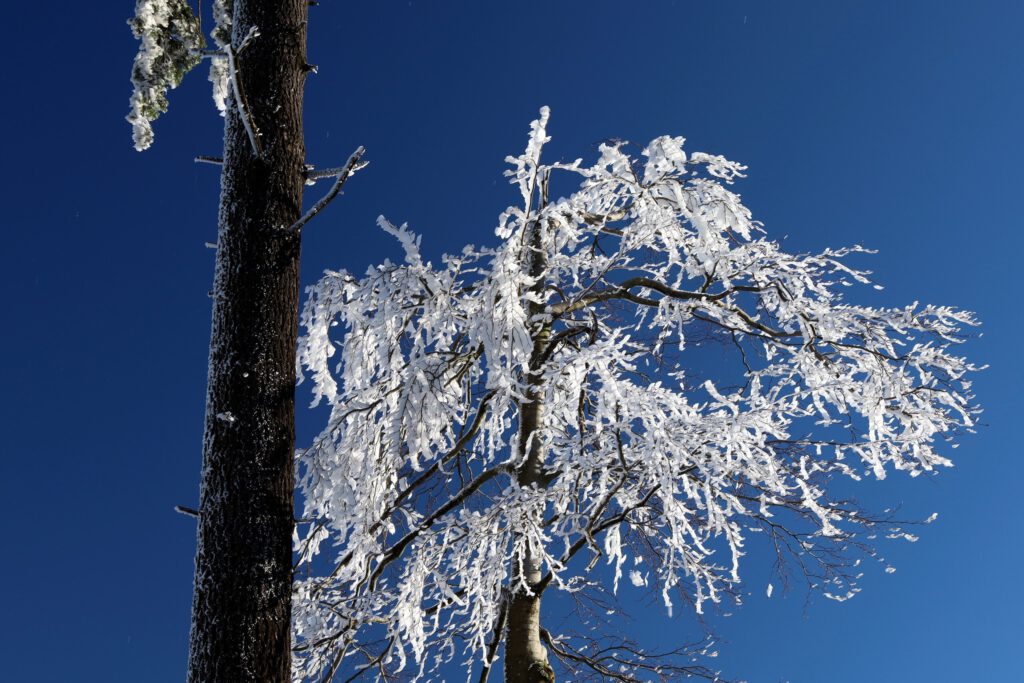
{"points": [[354, 164]]}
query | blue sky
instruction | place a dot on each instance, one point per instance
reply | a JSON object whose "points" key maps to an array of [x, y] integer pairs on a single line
{"points": [[896, 125]]}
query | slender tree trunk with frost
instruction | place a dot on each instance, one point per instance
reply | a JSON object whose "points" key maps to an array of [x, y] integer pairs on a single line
{"points": [[241, 609], [526, 659]]}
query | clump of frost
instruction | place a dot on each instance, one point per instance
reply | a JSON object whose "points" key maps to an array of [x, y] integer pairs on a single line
{"points": [[169, 47], [219, 71]]}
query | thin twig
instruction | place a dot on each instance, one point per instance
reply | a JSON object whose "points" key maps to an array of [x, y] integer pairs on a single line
{"points": [[239, 94], [181, 509], [203, 159], [247, 40], [313, 175], [492, 647], [350, 167]]}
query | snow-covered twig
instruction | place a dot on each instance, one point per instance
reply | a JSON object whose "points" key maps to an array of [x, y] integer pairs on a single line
{"points": [[208, 54], [236, 90], [203, 159], [347, 170], [313, 175], [252, 34], [188, 512]]}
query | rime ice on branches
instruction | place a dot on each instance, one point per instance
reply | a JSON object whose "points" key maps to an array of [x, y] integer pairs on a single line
{"points": [[515, 408], [169, 47]]}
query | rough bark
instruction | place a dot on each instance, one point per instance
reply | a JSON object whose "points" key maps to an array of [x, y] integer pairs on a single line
{"points": [[241, 609], [526, 659]]}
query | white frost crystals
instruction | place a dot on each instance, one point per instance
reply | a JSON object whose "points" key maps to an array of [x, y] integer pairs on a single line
{"points": [[219, 70], [412, 493], [169, 45]]}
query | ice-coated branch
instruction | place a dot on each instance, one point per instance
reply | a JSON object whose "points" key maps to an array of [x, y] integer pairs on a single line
{"points": [[315, 174], [170, 42], [395, 551], [252, 34], [623, 661], [492, 646], [238, 95], [353, 164], [594, 527]]}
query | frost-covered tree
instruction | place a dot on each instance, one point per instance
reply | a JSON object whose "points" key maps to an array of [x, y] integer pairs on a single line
{"points": [[241, 612], [505, 422]]}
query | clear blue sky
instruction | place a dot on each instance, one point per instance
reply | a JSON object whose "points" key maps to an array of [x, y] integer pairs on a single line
{"points": [[894, 124]]}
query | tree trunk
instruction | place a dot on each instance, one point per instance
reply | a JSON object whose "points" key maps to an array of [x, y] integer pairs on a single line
{"points": [[241, 610], [526, 658]]}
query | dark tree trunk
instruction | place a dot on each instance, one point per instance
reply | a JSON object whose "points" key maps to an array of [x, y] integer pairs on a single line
{"points": [[241, 609]]}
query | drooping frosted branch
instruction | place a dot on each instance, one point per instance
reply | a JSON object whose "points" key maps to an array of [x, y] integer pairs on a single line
{"points": [[169, 47]]}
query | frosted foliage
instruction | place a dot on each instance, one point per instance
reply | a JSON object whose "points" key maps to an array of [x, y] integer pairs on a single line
{"points": [[600, 304], [169, 46], [219, 72], [222, 13]]}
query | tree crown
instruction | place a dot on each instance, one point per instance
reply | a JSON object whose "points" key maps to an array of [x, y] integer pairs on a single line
{"points": [[596, 305]]}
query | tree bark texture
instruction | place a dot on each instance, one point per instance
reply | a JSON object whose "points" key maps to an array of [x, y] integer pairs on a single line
{"points": [[241, 610], [526, 659]]}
